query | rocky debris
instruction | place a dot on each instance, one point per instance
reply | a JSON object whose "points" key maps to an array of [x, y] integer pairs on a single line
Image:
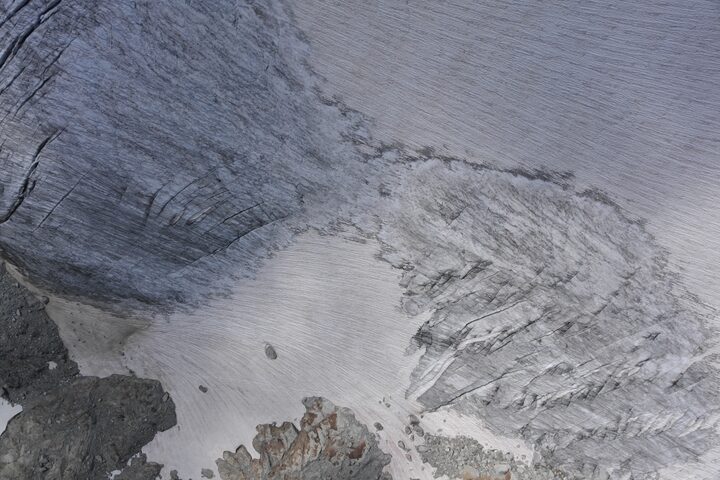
{"points": [[270, 352], [330, 444], [414, 427], [207, 473], [33, 358], [203, 388], [140, 469], [84, 429], [464, 458], [378, 426]]}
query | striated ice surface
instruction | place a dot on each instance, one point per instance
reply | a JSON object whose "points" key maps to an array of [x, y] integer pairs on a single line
{"points": [[180, 181], [624, 94]]}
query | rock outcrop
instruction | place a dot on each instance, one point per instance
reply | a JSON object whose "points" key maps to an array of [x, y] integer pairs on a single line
{"points": [[330, 443], [140, 469], [71, 426], [84, 429], [33, 358]]}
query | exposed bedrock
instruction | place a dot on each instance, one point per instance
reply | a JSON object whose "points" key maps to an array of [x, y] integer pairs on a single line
{"points": [[330, 443], [140, 469], [84, 429], [71, 427], [33, 358]]}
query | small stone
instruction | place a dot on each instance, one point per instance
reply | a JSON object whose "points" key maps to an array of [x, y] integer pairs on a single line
{"points": [[207, 473], [409, 457], [419, 431], [52, 365], [18, 312], [422, 448], [408, 430], [414, 420], [44, 463], [270, 352], [203, 388], [165, 397], [378, 426], [401, 444], [174, 475]]}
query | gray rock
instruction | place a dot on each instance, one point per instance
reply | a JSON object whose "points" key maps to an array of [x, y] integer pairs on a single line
{"points": [[28, 343], [270, 352], [207, 473], [140, 469], [84, 429], [71, 426]]}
